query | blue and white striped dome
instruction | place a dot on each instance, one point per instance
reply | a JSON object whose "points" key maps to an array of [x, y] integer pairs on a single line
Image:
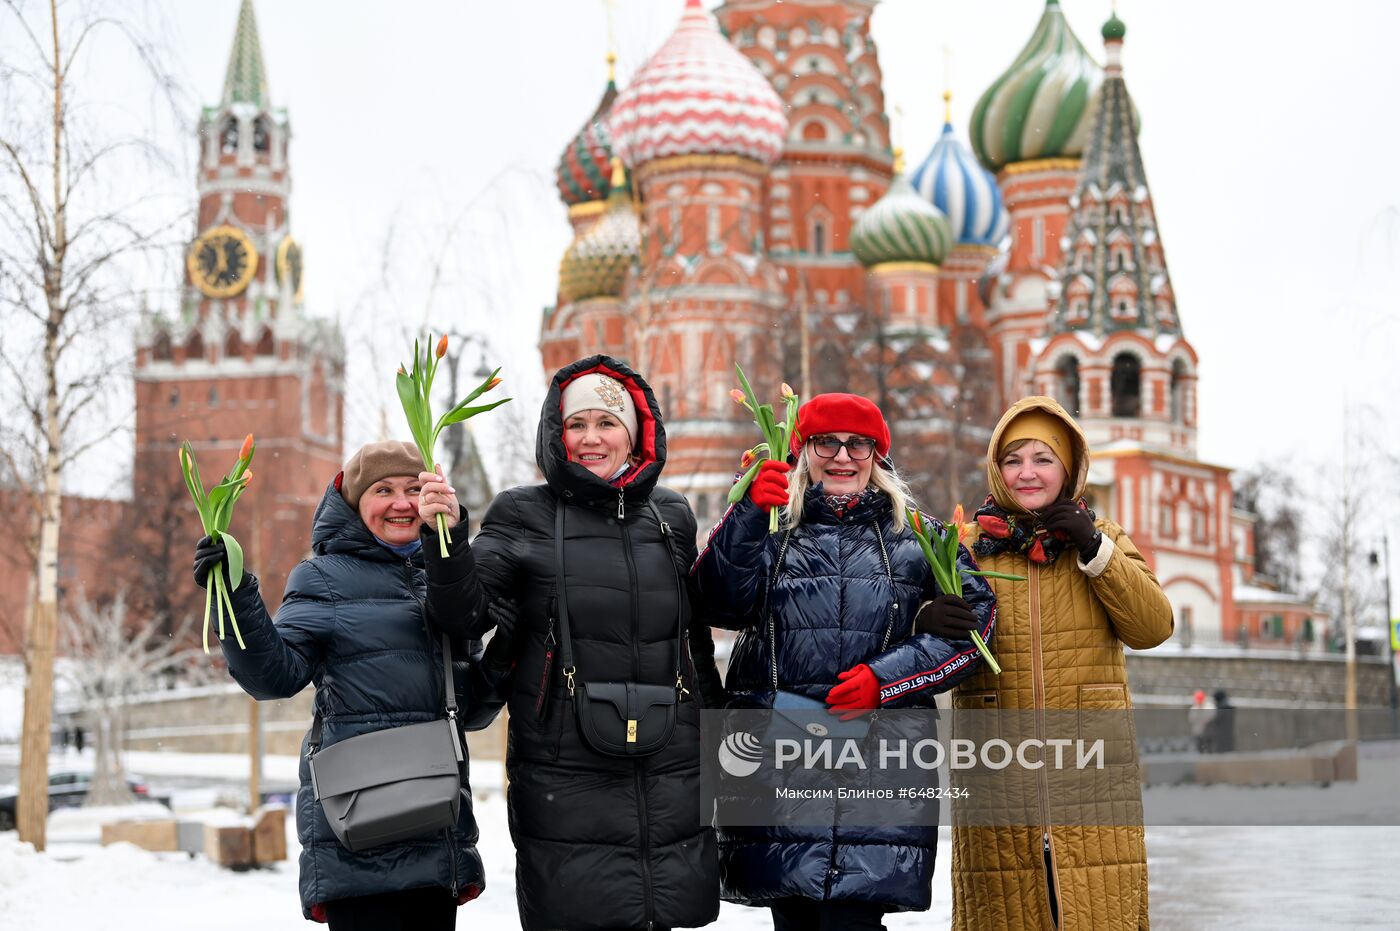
{"points": [[953, 181]]}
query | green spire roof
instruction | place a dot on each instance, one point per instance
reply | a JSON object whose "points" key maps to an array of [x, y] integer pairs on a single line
{"points": [[1114, 28], [246, 79]]}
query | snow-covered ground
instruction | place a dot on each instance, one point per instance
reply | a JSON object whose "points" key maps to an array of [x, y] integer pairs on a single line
{"points": [[1203, 877]]}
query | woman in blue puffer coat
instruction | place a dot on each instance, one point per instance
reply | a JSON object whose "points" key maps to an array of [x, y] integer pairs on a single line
{"points": [[850, 582], [354, 621]]}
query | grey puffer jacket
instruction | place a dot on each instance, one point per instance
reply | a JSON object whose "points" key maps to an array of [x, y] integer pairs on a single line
{"points": [[354, 622]]}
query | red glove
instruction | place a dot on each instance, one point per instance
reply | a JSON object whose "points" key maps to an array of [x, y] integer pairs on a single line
{"points": [[769, 488], [858, 693]]}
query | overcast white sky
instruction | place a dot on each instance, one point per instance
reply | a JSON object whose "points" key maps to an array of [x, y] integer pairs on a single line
{"points": [[1268, 133]]}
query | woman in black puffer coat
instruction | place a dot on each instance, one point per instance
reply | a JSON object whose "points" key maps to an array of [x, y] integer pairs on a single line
{"points": [[353, 621], [601, 841], [852, 579]]}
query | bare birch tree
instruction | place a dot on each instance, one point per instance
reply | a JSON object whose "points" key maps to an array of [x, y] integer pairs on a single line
{"points": [[112, 658], [77, 217]]}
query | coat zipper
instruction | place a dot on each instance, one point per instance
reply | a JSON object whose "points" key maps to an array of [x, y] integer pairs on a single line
{"points": [[633, 595], [423, 607], [647, 891], [1052, 891]]}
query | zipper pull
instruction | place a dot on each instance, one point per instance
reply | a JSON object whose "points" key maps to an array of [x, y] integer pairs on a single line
{"points": [[620, 492], [680, 686]]}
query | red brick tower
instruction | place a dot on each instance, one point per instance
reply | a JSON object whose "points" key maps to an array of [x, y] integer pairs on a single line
{"points": [[836, 161], [240, 356]]}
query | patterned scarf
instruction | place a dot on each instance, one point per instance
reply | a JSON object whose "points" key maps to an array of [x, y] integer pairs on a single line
{"points": [[1003, 532], [840, 504]]}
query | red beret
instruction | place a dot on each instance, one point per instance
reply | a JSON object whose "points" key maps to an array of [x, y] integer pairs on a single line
{"points": [[841, 413]]}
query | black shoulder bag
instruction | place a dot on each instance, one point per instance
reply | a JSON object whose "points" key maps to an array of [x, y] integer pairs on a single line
{"points": [[625, 719]]}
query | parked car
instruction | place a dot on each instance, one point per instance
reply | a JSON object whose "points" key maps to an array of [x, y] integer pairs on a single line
{"points": [[67, 789]]}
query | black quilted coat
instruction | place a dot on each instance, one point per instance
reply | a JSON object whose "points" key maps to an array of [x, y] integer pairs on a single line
{"points": [[353, 621], [834, 607], [600, 842]]}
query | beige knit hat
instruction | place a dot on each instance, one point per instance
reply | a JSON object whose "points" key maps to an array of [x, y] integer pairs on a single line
{"points": [[595, 392], [376, 461]]}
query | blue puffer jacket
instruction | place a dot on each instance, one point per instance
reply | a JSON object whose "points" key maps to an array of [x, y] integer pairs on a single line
{"points": [[834, 608], [353, 621]]}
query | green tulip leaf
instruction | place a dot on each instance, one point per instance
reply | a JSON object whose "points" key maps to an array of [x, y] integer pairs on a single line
{"points": [[235, 562]]}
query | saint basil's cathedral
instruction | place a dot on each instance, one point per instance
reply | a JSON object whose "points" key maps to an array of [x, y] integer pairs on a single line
{"points": [[740, 201]]}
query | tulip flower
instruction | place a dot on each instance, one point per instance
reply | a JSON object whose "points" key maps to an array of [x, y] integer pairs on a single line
{"points": [[415, 394], [215, 512], [940, 548], [775, 437]]}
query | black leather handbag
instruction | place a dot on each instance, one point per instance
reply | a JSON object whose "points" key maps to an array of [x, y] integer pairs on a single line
{"points": [[624, 719]]}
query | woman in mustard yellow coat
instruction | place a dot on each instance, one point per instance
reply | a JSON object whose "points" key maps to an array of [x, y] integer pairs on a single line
{"points": [[1060, 637]]}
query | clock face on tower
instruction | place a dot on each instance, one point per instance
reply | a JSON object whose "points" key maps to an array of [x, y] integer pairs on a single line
{"points": [[289, 265], [222, 261]]}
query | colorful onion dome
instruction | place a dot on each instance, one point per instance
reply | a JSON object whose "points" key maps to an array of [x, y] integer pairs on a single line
{"points": [[697, 95], [967, 194], [586, 165], [1043, 105], [901, 227], [596, 262]]}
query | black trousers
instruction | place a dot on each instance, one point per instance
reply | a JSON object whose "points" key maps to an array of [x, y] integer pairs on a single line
{"points": [[431, 908], [811, 915]]}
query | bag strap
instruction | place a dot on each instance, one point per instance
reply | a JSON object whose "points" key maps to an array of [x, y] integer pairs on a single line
{"points": [[561, 596], [449, 689], [566, 646]]}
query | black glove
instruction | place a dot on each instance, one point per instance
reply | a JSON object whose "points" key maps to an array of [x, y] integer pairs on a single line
{"points": [[206, 554], [947, 616], [1074, 522], [500, 652]]}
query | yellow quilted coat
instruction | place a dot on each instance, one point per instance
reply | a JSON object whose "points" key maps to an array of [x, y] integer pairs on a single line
{"points": [[1059, 640]]}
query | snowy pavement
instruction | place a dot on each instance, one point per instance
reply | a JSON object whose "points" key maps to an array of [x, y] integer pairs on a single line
{"points": [[1203, 877]]}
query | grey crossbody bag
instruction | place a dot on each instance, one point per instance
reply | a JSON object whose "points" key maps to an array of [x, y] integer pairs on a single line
{"points": [[395, 784]]}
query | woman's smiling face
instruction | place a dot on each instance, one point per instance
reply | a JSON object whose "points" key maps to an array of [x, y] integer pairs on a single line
{"points": [[841, 474], [1033, 474], [598, 441], [389, 509]]}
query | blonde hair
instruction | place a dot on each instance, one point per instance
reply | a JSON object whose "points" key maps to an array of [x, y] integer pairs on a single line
{"points": [[881, 478]]}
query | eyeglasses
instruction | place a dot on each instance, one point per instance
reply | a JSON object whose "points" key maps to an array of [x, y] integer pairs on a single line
{"points": [[857, 447]]}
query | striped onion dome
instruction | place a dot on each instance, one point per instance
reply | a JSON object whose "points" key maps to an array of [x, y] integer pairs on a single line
{"points": [[697, 95], [966, 193], [586, 164], [596, 262], [1043, 105], [901, 227]]}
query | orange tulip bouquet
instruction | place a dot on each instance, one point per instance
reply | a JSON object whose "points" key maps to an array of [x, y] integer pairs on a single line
{"points": [[415, 393], [941, 551], [775, 437], [215, 512]]}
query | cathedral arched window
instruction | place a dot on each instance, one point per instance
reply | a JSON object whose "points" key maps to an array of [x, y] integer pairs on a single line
{"points": [[819, 238], [1126, 385], [266, 347], [1178, 392], [1067, 369], [161, 351], [262, 135], [233, 345], [194, 347], [228, 135]]}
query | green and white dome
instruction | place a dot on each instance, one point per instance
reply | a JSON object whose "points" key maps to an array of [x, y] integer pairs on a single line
{"points": [[902, 227], [1043, 105]]}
